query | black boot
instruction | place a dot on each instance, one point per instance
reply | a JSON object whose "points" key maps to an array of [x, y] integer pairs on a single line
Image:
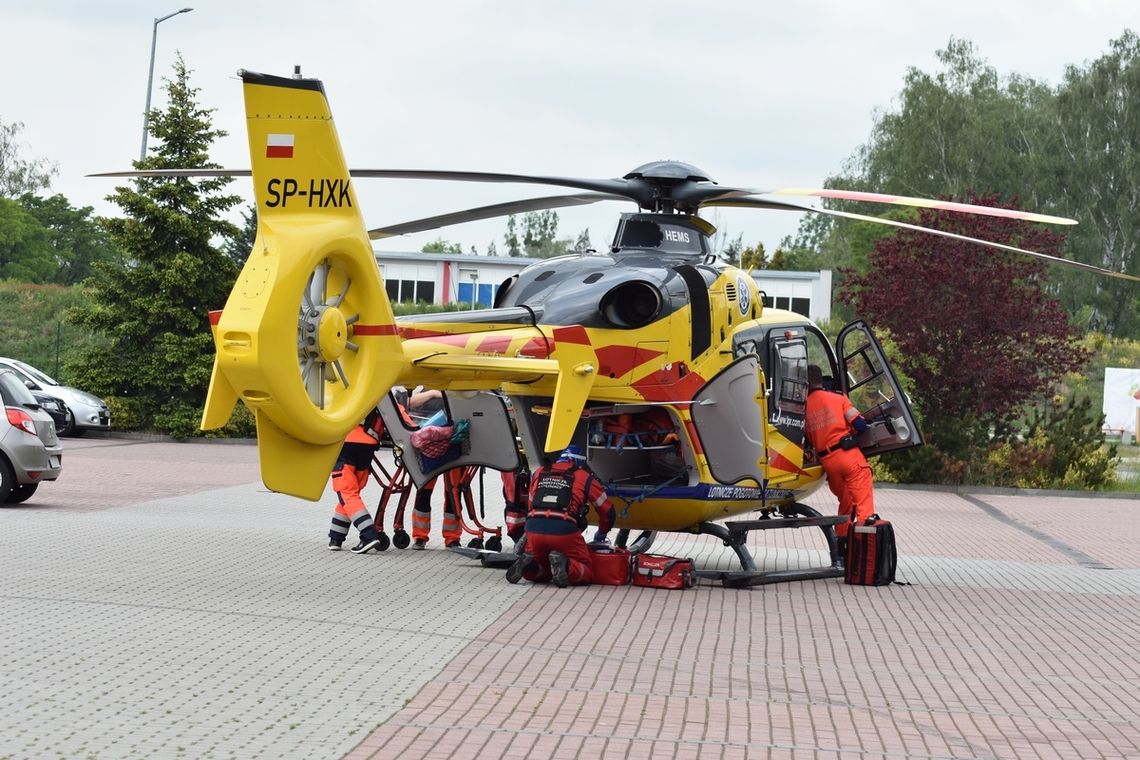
{"points": [[841, 552]]}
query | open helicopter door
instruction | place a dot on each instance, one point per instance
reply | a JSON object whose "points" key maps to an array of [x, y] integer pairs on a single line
{"points": [[867, 379], [492, 437], [728, 413]]}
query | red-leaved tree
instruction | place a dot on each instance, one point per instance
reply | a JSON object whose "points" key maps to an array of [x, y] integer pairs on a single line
{"points": [[977, 333]]}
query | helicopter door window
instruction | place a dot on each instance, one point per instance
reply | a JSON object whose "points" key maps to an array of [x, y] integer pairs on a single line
{"points": [[875, 392], [819, 353], [868, 384]]}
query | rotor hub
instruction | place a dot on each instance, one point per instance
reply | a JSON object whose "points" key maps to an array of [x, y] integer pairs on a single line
{"points": [[323, 333]]}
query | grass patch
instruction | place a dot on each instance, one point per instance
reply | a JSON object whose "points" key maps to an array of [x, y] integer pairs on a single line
{"points": [[1128, 470]]}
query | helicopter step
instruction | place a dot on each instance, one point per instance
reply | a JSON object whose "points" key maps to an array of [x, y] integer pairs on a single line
{"points": [[734, 534]]}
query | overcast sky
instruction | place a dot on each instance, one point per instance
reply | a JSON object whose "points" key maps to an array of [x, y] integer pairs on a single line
{"points": [[756, 93]]}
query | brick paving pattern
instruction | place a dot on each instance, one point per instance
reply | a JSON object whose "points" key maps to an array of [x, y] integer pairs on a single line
{"points": [[157, 601], [1004, 646]]}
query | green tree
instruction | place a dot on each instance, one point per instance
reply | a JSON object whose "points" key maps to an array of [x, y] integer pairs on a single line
{"points": [[1097, 110], [1071, 150], [25, 246], [1062, 447], [511, 238], [732, 250], [752, 257], [154, 310], [77, 240], [18, 175], [439, 245], [779, 260], [976, 331], [582, 242], [960, 129], [239, 247], [540, 235]]}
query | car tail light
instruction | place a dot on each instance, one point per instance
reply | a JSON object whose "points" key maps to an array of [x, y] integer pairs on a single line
{"points": [[21, 419]]}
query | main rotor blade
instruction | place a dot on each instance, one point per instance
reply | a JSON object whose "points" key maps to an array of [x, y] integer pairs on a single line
{"points": [[489, 212], [621, 187], [903, 200], [758, 203], [176, 173]]}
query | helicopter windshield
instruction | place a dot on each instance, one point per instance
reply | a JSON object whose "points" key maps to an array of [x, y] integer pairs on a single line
{"points": [[673, 238]]}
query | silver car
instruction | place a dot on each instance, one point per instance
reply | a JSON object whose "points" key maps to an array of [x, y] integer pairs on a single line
{"points": [[30, 452], [87, 412]]}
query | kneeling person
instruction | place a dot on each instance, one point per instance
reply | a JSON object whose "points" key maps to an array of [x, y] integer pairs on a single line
{"points": [[561, 495]]}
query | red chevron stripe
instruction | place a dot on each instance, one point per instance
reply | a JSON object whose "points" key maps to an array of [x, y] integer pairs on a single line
{"points": [[573, 334], [359, 329]]}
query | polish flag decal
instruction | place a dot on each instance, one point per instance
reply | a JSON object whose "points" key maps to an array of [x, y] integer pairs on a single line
{"points": [[279, 146]]}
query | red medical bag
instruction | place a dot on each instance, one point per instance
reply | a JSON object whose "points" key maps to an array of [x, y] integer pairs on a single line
{"points": [[871, 557], [610, 565], [659, 571]]}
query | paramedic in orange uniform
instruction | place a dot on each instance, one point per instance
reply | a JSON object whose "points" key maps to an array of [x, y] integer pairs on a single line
{"points": [[349, 476], [560, 496], [831, 424]]}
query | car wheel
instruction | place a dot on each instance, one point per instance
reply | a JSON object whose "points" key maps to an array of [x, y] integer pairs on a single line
{"points": [[7, 479], [69, 424], [21, 493]]}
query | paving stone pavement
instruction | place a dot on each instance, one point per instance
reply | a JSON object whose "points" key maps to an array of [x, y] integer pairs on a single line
{"points": [[158, 602], [212, 623]]}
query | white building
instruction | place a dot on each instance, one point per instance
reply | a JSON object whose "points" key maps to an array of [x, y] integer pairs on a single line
{"points": [[447, 278], [806, 293]]}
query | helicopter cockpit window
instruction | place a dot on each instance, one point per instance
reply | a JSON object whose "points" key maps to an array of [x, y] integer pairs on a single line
{"points": [[642, 233]]}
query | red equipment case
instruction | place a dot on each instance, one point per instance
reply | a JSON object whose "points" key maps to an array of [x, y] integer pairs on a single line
{"points": [[610, 565], [871, 556], [659, 571]]}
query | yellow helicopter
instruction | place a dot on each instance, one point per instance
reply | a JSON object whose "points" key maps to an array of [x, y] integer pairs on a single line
{"points": [[662, 364]]}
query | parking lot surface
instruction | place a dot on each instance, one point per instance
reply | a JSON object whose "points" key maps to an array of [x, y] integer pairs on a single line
{"points": [[157, 601]]}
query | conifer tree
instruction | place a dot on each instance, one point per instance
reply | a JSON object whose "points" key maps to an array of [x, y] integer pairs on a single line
{"points": [[155, 309]]}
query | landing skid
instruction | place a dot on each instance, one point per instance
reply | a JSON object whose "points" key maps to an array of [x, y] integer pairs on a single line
{"points": [[735, 536]]}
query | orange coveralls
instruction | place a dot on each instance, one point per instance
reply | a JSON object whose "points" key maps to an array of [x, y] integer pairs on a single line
{"points": [[421, 512], [349, 477], [828, 418]]}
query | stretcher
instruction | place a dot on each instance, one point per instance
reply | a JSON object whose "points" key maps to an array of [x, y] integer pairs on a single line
{"points": [[397, 482]]}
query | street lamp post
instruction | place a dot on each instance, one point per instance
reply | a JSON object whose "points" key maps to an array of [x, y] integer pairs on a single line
{"points": [[150, 77]]}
